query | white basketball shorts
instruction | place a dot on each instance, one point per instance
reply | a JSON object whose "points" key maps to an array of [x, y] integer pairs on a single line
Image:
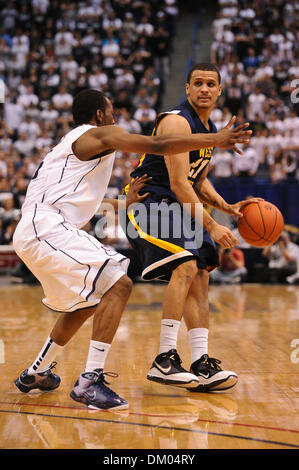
{"points": [[74, 268]]}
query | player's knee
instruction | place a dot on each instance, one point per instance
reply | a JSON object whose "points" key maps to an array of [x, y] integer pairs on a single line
{"points": [[123, 287], [186, 272]]}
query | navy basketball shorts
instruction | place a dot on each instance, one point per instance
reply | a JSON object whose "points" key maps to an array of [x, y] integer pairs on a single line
{"points": [[165, 236]]}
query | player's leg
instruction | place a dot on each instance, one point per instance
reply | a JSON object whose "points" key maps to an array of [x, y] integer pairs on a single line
{"points": [[166, 368], [107, 315], [91, 388], [196, 316]]}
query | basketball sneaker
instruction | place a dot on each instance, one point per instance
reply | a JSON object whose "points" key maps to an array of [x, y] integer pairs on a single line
{"points": [[166, 369], [91, 390], [45, 381], [210, 375]]}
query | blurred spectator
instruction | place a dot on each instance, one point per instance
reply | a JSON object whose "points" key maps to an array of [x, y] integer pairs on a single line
{"points": [[277, 170], [283, 256], [246, 165], [126, 122], [24, 144], [222, 166], [146, 116], [232, 268]]}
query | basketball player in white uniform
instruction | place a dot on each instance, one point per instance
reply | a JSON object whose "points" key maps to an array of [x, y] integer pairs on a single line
{"points": [[81, 277]]}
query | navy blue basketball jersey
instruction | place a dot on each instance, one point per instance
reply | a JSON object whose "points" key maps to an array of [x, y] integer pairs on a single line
{"points": [[154, 165]]}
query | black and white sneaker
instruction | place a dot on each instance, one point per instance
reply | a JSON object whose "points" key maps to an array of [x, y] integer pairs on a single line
{"points": [[91, 389], [210, 375], [166, 369]]}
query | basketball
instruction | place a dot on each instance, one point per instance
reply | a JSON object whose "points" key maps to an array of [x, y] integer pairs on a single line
{"points": [[261, 224]]}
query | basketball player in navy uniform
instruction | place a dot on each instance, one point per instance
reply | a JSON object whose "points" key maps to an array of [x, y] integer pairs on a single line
{"points": [[79, 275], [178, 180]]}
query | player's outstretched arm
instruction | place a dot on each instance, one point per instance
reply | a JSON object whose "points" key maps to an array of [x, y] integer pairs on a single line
{"points": [[101, 139]]}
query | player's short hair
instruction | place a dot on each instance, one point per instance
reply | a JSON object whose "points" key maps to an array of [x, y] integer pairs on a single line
{"points": [[204, 66], [85, 105]]}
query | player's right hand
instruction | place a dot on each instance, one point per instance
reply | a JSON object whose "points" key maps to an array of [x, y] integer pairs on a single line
{"points": [[223, 236], [136, 185], [227, 138]]}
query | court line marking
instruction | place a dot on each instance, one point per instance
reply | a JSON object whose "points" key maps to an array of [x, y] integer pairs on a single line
{"points": [[173, 428], [149, 415]]}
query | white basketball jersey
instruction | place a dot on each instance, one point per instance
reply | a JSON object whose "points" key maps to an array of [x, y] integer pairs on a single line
{"points": [[76, 188]]}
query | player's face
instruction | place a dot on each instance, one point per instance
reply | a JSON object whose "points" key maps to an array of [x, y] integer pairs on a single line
{"points": [[203, 89], [108, 117]]}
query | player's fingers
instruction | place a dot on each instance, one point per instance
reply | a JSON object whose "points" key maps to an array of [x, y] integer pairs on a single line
{"points": [[235, 149], [144, 196], [241, 127], [230, 123]]}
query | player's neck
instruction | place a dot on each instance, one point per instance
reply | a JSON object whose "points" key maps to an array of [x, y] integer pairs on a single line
{"points": [[203, 114]]}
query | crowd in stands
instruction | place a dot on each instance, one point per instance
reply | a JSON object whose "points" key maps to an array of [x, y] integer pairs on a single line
{"points": [[49, 51], [256, 46]]}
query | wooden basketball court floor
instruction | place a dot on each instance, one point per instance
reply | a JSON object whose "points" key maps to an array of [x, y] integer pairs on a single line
{"points": [[254, 331]]}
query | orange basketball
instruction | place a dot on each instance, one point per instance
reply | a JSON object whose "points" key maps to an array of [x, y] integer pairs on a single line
{"points": [[261, 224]]}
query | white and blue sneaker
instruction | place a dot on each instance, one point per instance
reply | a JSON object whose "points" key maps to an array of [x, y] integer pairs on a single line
{"points": [[45, 381], [91, 390]]}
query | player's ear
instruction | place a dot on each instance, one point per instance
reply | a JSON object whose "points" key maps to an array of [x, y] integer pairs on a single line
{"points": [[187, 86], [220, 90], [99, 115]]}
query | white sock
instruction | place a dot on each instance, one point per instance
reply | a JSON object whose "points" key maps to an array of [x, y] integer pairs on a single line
{"points": [[168, 335], [45, 357], [198, 343], [97, 355]]}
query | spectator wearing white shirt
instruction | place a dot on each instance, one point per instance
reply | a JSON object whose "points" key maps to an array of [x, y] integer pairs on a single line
{"points": [[5, 143], [110, 51], [273, 121], [97, 79], [146, 116], [49, 114], [43, 143], [126, 122], [24, 145], [273, 145], [112, 23], [30, 127], [256, 102], [28, 99], [218, 26], [62, 100], [276, 37], [71, 67], [145, 28], [222, 165], [246, 165], [277, 170]]}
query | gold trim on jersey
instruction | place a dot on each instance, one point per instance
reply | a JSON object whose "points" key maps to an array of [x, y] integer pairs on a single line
{"points": [[155, 241]]}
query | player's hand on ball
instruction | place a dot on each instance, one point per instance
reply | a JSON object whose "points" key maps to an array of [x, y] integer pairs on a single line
{"points": [[223, 236], [236, 209], [133, 195]]}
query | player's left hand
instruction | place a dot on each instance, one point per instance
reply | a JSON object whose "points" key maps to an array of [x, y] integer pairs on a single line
{"points": [[133, 195], [235, 209]]}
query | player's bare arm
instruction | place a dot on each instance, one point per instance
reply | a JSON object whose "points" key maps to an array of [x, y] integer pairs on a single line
{"points": [[110, 138], [207, 194], [178, 169]]}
